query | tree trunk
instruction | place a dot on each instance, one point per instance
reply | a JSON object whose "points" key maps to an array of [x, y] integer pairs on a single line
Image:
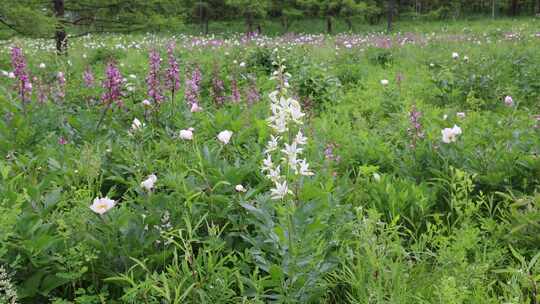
{"points": [[60, 34], [206, 26], [391, 6], [329, 24], [493, 8], [514, 8], [249, 23], [538, 6], [349, 23]]}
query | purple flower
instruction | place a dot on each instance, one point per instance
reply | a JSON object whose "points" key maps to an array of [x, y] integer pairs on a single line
{"points": [[41, 92], [173, 71], [112, 84], [508, 101], [62, 141], [61, 81], [252, 93], [218, 87], [88, 77], [193, 88], [235, 92], [24, 85], [153, 78], [415, 130]]}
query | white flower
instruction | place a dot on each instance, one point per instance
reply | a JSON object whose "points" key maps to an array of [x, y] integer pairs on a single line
{"points": [[136, 125], [186, 134], [102, 205], [274, 175], [466, 58], [5, 73], [132, 76], [304, 168], [445, 116], [509, 101], [242, 64], [240, 188], [449, 135], [377, 177], [460, 114], [42, 65], [267, 163], [384, 82], [272, 144], [300, 138], [280, 191], [11, 75], [149, 182], [146, 103], [455, 55], [225, 136]]}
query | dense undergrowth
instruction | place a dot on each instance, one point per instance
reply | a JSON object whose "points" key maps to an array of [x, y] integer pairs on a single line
{"points": [[402, 208]]}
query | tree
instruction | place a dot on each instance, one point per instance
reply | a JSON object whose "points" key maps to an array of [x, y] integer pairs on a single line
{"points": [[251, 10], [61, 19]]}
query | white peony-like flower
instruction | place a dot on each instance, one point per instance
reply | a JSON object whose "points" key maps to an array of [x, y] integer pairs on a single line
{"points": [[146, 103], [136, 125], [449, 135], [102, 205], [225, 136], [186, 134], [509, 101], [455, 55], [384, 82], [460, 114], [148, 183], [240, 188], [42, 65]]}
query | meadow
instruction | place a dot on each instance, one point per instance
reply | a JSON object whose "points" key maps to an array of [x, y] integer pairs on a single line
{"points": [[294, 168]]}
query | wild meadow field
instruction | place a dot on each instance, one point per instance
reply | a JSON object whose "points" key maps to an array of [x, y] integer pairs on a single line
{"points": [[298, 168]]}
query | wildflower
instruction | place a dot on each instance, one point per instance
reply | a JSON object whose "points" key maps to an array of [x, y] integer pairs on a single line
{"points": [[146, 103], [466, 58], [304, 168], [508, 101], [148, 183], [240, 188], [455, 55], [42, 65], [384, 82], [280, 190], [136, 125], [460, 114], [376, 177], [102, 205], [186, 134], [61, 82], [62, 141], [88, 77], [225, 136], [192, 89], [19, 71], [172, 74], [415, 130], [8, 290], [195, 108], [218, 88], [449, 135], [11, 75], [235, 92], [252, 93], [153, 78], [112, 85]]}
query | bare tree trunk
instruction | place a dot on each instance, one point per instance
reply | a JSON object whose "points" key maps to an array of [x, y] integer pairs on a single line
{"points": [[60, 34], [493, 8], [391, 6], [349, 23], [514, 8], [538, 6], [329, 24], [249, 23]]}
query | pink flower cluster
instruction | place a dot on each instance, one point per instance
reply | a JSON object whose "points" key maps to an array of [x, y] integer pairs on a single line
{"points": [[112, 84], [153, 78], [415, 130], [173, 71], [19, 70]]}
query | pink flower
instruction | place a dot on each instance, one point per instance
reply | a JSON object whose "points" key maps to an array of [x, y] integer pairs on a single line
{"points": [[508, 101]]}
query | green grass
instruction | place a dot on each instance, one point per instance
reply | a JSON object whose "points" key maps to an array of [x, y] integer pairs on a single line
{"points": [[379, 222]]}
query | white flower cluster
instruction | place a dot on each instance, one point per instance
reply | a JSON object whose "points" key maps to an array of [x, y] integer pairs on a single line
{"points": [[8, 291], [284, 148]]}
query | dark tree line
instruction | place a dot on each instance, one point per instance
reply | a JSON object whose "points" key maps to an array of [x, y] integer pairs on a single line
{"points": [[61, 19]]}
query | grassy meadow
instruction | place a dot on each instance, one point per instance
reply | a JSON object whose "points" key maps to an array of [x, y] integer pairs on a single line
{"points": [[299, 168]]}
